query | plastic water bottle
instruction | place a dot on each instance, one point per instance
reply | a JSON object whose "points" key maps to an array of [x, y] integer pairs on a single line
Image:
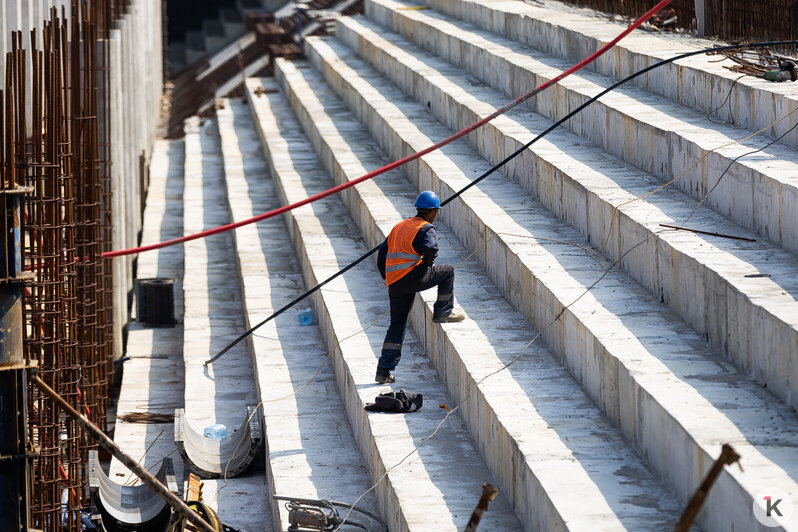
{"points": [[215, 432], [306, 317]]}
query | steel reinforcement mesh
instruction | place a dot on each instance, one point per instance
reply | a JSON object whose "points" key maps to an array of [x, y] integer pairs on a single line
{"points": [[685, 9], [55, 129], [727, 20], [743, 20]]}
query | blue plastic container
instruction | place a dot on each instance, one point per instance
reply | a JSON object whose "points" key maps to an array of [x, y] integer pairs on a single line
{"points": [[215, 432], [306, 317]]}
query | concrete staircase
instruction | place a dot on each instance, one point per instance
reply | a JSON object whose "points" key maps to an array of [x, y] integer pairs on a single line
{"points": [[213, 315], [309, 445], [214, 34], [653, 347], [518, 430]]}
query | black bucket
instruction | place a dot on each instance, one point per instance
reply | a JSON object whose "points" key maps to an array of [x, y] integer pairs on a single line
{"points": [[155, 301]]}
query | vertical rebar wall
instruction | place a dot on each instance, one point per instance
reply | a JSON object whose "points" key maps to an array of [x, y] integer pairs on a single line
{"points": [[728, 20], [685, 9], [50, 299], [743, 20], [55, 117]]}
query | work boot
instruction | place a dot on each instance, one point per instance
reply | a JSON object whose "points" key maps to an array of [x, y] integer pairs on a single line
{"points": [[384, 378], [452, 317]]}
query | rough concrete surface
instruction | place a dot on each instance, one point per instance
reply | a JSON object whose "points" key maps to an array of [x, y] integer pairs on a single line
{"points": [[511, 403], [213, 316], [644, 362], [687, 270], [310, 449], [607, 303], [436, 487]]}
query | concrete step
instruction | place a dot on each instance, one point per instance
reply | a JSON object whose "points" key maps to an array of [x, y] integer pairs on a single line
{"points": [[535, 442], [215, 36], [232, 21], [429, 486], [702, 278], [195, 46], [177, 57], [672, 395], [699, 82], [249, 6], [309, 445], [647, 131], [213, 316], [152, 379]]}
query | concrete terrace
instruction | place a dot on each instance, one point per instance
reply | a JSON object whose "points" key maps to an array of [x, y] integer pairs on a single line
{"points": [[654, 346]]}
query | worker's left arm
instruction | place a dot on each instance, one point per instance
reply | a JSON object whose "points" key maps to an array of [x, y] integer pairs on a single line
{"points": [[426, 244], [381, 255]]}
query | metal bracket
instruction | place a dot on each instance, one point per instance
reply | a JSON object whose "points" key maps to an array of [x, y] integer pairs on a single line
{"points": [[27, 455], [32, 365]]}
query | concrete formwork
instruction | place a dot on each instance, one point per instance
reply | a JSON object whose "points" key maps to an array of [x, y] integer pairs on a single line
{"points": [[136, 78]]}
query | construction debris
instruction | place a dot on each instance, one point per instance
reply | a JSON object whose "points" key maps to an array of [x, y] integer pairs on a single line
{"points": [[218, 457], [322, 515], [125, 507], [108, 444], [146, 417], [760, 63]]}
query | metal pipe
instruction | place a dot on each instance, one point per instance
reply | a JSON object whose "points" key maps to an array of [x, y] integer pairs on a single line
{"points": [[129, 462]]}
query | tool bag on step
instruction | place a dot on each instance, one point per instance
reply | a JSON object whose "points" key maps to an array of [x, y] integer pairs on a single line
{"points": [[396, 402]]}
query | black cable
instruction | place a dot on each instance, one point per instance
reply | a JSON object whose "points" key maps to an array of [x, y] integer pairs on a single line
{"points": [[361, 510], [728, 99], [294, 302], [504, 161]]}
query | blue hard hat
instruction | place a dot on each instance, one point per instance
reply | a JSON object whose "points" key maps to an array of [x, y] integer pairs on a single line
{"points": [[428, 200]]}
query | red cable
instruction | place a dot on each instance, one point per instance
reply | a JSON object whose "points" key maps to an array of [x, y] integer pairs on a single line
{"points": [[404, 160]]}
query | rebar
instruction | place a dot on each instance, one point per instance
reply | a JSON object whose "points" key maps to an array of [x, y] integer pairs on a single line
{"points": [[729, 20], [64, 160], [683, 10]]}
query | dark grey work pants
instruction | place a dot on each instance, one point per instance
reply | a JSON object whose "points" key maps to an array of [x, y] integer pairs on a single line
{"points": [[401, 294]]}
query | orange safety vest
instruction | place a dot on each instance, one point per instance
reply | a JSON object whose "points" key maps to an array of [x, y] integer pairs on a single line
{"points": [[401, 257]]}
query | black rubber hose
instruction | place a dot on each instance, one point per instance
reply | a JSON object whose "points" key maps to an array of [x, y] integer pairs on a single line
{"points": [[504, 161], [362, 511]]}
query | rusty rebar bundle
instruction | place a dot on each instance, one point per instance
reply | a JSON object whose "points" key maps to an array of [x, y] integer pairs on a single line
{"points": [[755, 62], [88, 196], [50, 313], [54, 112]]}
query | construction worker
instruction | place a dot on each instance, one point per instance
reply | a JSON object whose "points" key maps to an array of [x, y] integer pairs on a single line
{"points": [[405, 261]]}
